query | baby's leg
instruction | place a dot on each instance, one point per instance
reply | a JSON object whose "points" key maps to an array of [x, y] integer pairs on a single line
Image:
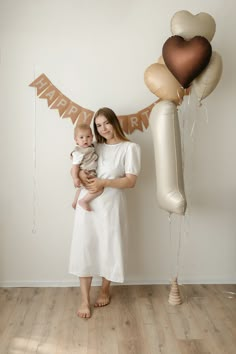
{"points": [[76, 198], [84, 202]]}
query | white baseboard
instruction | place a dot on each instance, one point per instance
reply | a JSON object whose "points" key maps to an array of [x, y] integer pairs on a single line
{"points": [[97, 282]]}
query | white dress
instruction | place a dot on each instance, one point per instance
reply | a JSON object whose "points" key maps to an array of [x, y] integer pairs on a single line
{"points": [[97, 247]]}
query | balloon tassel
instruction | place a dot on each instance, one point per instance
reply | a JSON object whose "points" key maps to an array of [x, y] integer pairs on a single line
{"points": [[174, 295]]}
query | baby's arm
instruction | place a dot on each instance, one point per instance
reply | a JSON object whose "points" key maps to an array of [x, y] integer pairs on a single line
{"points": [[75, 175]]}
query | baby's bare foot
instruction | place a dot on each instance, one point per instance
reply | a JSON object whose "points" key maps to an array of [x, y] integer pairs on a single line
{"points": [[102, 300], [84, 310], [84, 205]]}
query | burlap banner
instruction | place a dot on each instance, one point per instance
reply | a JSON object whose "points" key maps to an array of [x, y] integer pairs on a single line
{"points": [[69, 109]]}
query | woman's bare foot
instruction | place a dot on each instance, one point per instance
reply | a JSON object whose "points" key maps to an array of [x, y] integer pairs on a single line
{"points": [[103, 299], [84, 310], [85, 205]]}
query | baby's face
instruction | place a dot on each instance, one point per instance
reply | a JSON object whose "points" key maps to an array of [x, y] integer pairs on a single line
{"points": [[84, 138]]}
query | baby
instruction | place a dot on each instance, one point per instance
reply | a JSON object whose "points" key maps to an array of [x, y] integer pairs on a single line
{"points": [[84, 157]]}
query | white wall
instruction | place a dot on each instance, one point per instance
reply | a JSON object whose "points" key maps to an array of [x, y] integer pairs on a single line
{"points": [[96, 53]]}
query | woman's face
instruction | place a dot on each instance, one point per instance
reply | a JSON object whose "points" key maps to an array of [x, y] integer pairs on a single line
{"points": [[105, 129]]}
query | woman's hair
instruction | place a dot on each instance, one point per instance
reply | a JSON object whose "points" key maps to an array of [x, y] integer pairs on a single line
{"points": [[113, 120]]}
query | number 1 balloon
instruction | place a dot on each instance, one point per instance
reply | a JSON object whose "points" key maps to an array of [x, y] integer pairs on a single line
{"points": [[164, 125]]}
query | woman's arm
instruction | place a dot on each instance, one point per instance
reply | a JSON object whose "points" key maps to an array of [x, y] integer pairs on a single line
{"points": [[97, 184]]}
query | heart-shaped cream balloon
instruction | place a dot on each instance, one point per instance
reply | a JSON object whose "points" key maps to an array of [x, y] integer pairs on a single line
{"points": [[186, 25], [206, 82], [186, 59], [162, 83]]}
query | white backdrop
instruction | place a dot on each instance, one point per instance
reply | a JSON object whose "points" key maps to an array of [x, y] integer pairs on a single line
{"points": [[96, 53]]}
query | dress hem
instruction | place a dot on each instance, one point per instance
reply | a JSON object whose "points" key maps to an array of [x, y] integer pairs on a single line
{"points": [[97, 275]]}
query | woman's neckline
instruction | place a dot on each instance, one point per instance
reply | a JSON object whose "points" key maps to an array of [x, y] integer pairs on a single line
{"points": [[114, 144]]}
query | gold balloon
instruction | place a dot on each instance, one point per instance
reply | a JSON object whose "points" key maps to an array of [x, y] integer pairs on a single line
{"points": [[162, 83]]}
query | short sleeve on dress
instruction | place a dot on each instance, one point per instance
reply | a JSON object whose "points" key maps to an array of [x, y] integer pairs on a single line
{"points": [[133, 159], [76, 157]]}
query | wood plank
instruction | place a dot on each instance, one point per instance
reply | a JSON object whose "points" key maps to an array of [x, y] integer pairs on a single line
{"points": [[138, 320], [130, 338], [73, 331], [141, 297], [12, 339], [43, 336], [105, 328], [224, 333], [164, 328], [8, 300], [193, 346]]}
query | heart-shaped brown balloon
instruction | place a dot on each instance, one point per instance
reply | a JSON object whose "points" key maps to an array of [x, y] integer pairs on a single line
{"points": [[186, 59]]}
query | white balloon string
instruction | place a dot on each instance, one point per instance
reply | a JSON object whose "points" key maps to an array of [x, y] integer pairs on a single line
{"points": [[199, 102], [189, 98], [189, 133], [189, 171], [193, 127], [175, 231], [203, 93], [180, 99], [34, 228], [179, 245], [188, 119], [171, 245], [206, 114], [183, 228], [178, 95]]}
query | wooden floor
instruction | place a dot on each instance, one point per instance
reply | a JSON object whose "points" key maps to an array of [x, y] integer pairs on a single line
{"points": [[139, 320]]}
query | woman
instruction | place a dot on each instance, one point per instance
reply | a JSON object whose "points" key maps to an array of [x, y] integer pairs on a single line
{"points": [[98, 238]]}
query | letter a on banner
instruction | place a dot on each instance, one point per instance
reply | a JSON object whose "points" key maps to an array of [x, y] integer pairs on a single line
{"points": [[51, 93]]}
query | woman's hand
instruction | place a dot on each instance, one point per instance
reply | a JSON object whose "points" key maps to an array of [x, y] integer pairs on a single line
{"points": [[84, 177], [95, 185]]}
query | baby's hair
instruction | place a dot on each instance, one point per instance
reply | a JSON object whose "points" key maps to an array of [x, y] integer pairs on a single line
{"points": [[81, 126]]}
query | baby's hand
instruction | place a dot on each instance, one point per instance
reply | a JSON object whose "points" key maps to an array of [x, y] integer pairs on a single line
{"points": [[77, 182]]}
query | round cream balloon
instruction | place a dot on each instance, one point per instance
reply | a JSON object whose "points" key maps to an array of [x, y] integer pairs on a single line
{"points": [[162, 83], [206, 82], [164, 124], [186, 25]]}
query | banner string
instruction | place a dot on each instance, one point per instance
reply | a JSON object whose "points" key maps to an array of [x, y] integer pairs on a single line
{"points": [[69, 109]]}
